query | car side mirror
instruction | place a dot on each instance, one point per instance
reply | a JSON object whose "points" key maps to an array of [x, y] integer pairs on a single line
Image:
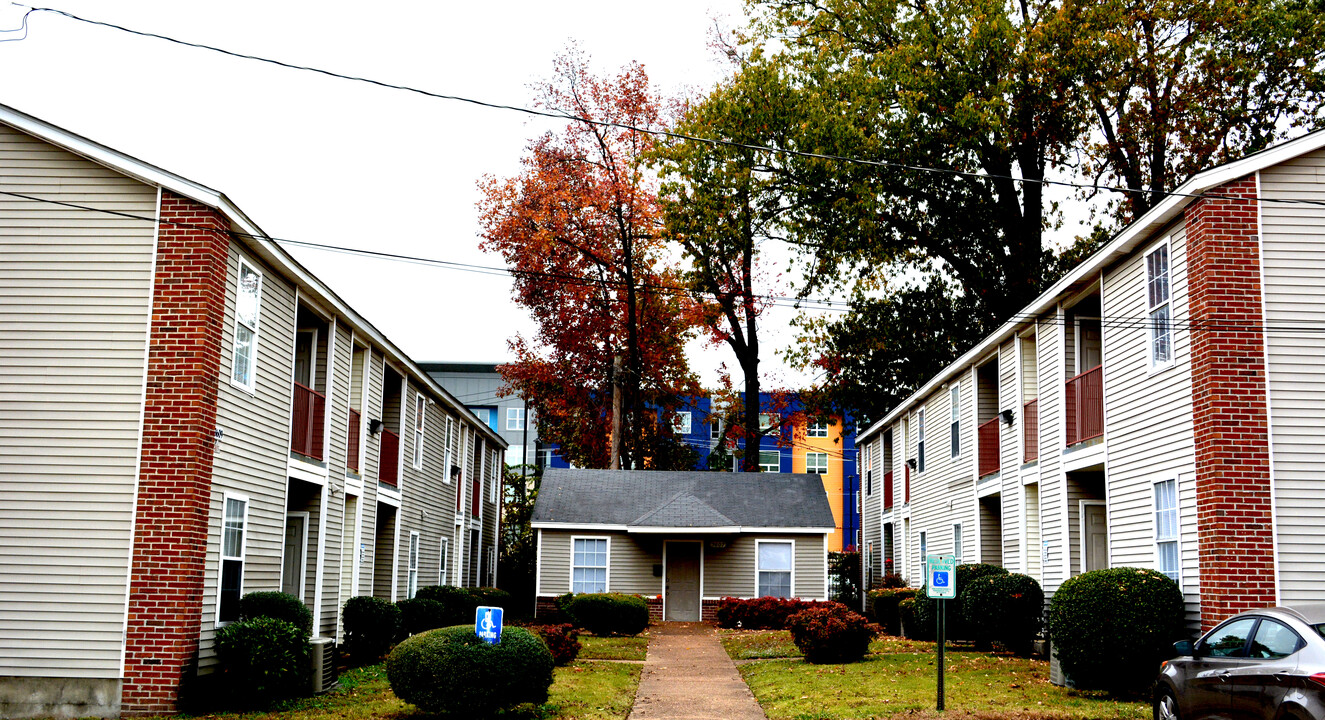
{"points": [[1184, 647]]}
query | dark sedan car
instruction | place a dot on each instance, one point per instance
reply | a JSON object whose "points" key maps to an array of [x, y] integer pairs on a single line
{"points": [[1262, 664]]}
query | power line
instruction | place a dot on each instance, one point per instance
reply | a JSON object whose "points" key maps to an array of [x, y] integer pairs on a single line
{"points": [[669, 134]]}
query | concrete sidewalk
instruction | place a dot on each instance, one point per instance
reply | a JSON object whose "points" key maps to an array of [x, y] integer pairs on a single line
{"points": [[688, 676]]}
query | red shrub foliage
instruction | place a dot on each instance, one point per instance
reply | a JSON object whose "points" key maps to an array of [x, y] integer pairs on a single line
{"points": [[562, 640], [832, 634], [765, 613]]}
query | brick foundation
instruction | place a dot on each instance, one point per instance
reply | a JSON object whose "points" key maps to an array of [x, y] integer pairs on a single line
{"points": [[174, 486], [1229, 404]]}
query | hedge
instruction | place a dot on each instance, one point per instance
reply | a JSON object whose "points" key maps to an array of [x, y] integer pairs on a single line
{"points": [[1004, 609], [562, 640], [1111, 628], [883, 607], [279, 605], [831, 633], [609, 613], [450, 671], [371, 625], [765, 613], [955, 626], [263, 659]]}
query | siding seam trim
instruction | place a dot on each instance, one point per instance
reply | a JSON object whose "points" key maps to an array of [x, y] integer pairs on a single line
{"points": [[1269, 406]]}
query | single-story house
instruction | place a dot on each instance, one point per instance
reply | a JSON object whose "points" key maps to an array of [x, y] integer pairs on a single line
{"points": [[684, 540]]}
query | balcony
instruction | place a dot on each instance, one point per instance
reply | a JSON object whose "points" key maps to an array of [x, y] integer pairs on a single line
{"points": [[987, 439], [476, 498], [888, 491], [310, 407], [352, 459], [1084, 414], [1030, 431], [389, 468]]}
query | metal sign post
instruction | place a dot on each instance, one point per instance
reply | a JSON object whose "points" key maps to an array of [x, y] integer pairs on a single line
{"points": [[941, 571]]}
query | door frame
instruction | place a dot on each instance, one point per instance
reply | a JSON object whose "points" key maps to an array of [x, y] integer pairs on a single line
{"points": [[1081, 538], [700, 543], [303, 542]]}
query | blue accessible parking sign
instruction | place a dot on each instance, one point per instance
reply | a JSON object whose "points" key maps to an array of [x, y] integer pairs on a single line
{"points": [[487, 624], [942, 577]]}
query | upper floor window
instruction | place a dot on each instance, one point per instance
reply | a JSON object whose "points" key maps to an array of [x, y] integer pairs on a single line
{"points": [[248, 300], [767, 420], [957, 542], [682, 423], [715, 429], [514, 418], [818, 429], [956, 395], [1166, 527], [770, 461], [486, 415], [920, 441], [420, 411], [1158, 301], [816, 463]]}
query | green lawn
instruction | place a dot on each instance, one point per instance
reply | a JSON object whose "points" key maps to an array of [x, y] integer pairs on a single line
{"points": [[580, 691], [898, 678], [613, 648]]}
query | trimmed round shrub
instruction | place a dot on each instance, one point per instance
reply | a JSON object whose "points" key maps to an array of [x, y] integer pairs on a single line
{"points": [[1111, 628], [609, 613], [1005, 609], [457, 603], [420, 615], [562, 640], [831, 633], [371, 625], [278, 605], [765, 613], [955, 627], [910, 622], [491, 596], [450, 671], [883, 606], [264, 659]]}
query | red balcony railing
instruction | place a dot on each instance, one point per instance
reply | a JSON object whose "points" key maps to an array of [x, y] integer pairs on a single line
{"points": [[476, 497], [987, 437], [310, 407], [1084, 414], [907, 489], [389, 468], [887, 491], [1030, 430], [352, 449]]}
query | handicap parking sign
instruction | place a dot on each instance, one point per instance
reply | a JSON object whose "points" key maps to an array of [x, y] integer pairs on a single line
{"points": [[487, 624], [942, 572], [940, 578]]}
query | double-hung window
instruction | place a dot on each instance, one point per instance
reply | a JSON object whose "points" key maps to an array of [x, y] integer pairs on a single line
{"points": [[682, 424], [412, 584], [770, 461], [1166, 527], [920, 441], [589, 565], [774, 572], [1160, 306], [816, 463], [957, 542], [442, 558], [420, 411], [956, 395], [234, 525], [248, 300], [818, 429], [715, 429], [447, 461], [514, 418]]}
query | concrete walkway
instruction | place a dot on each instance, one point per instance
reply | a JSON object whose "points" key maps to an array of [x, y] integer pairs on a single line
{"points": [[688, 676]]}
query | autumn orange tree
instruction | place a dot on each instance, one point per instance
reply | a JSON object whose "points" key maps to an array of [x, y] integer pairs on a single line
{"points": [[578, 228]]}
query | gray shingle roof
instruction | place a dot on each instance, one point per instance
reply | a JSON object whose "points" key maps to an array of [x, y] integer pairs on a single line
{"points": [[654, 499]]}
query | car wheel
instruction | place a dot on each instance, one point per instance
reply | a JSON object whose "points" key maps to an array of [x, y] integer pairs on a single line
{"points": [[1166, 705]]}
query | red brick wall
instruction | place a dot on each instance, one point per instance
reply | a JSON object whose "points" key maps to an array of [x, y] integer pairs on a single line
{"points": [[1229, 404], [174, 485]]}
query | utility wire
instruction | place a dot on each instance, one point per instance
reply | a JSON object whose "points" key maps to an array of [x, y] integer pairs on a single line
{"points": [[669, 134]]}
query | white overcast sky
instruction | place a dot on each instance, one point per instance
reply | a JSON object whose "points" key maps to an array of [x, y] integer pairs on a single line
{"points": [[325, 160], [330, 161]]}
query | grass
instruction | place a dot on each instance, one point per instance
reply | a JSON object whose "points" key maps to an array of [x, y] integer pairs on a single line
{"points": [[580, 691], [898, 678], [612, 648]]}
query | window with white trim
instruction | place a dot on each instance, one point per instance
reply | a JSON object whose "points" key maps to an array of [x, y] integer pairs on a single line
{"points": [[443, 553], [234, 527], [447, 461], [420, 412], [1166, 528], [514, 418], [770, 461], [248, 301], [920, 441], [816, 463], [766, 420], [497, 473], [924, 548], [955, 396], [957, 542], [412, 581], [1160, 308], [589, 565], [715, 429], [817, 429], [774, 571], [682, 423]]}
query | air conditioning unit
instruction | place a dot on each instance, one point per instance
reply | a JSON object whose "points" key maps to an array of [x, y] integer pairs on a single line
{"points": [[324, 664]]}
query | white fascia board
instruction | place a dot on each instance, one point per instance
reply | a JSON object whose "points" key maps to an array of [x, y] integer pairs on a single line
{"points": [[600, 527], [659, 530], [256, 240], [1124, 242]]}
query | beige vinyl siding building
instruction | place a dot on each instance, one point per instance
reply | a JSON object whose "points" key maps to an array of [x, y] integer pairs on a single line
{"points": [[176, 397], [1175, 375]]}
